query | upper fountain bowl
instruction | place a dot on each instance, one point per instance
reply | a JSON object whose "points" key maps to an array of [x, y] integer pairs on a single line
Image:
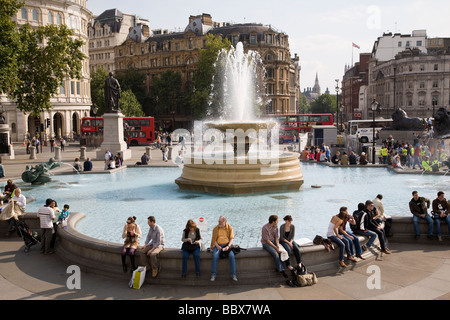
{"points": [[243, 125]]}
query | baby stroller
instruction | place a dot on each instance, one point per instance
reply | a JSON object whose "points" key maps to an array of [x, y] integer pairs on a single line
{"points": [[29, 237]]}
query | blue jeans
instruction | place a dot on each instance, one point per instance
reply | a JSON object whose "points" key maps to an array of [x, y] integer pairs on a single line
{"points": [[417, 160], [367, 233], [196, 255], [416, 220], [215, 258], [438, 225], [296, 251], [355, 242], [275, 256], [344, 245]]}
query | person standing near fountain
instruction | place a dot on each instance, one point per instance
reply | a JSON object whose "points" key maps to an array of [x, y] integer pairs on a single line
{"points": [[131, 233], [46, 215], [154, 244], [221, 242]]}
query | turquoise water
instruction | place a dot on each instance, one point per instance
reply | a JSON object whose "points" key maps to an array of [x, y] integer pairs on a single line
{"points": [[109, 199]]}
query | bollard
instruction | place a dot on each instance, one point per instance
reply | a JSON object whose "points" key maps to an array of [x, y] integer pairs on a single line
{"points": [[83, 154], [169, 156], [58, 153], [148, 151], [33, 152]]}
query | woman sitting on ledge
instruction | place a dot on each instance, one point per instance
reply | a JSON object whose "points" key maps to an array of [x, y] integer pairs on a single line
{"points": [[343, 243], [131, 234]]}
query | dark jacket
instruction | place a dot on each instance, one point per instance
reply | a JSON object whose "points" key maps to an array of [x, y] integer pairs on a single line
{"points": [[422, 209]]}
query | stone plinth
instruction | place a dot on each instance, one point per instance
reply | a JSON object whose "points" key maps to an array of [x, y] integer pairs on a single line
{"points": [[113, 137]]}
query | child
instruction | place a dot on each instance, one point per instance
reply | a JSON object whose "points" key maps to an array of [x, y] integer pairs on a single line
{"points": [[64, 216]]}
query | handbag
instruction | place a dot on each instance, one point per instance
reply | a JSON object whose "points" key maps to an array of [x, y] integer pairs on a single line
{"points": [[138, 277], [306, 280], [189, 247]]}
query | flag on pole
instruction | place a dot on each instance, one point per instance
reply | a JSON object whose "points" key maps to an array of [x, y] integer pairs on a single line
{"points": [[356, 46]]}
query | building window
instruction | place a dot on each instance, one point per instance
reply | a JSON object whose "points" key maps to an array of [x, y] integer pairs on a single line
{"points": [[422, 67], [421, 100], [35, 15], [422, 84], [253, 39], [24, 13], [435, 84], [419, 43], [399, 44], [58, 19], [50, 17], [436, 67]]}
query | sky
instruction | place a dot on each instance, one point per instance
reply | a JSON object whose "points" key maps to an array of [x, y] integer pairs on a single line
{"points": [[321, 33]]}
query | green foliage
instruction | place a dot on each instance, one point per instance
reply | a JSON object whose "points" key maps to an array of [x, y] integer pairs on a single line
{"points": [[326, 103], [204, 76], [167, 92], [35, 61], [98, 78], [10, 45], [129, 105]]}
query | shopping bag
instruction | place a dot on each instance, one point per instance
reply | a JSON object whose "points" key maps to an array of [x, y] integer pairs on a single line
{"points": [[138, 277]]}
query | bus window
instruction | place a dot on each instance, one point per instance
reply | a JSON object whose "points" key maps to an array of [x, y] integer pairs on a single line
{"points": [[142, 134], [133, 122], [281, 119], [292, 119], [87, 122], [303, 118], [144, 122], [315, 119], [326, 118]]}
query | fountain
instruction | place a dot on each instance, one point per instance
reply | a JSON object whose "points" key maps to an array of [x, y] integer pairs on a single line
{"points": [[239, 169]]}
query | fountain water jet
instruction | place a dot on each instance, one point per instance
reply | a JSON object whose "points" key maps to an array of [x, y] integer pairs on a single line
{"points": [[243, 172]]}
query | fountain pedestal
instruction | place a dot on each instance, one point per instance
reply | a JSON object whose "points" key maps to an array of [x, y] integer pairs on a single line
{"points": [[113, 138]]}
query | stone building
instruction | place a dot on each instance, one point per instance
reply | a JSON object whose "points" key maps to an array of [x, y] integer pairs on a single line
{"points": [[73, 100], [415, 81], [353, 83], [110, 29], [179, 52]]}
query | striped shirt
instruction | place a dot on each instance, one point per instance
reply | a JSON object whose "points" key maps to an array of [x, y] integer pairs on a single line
{"points": [[46, 215]]}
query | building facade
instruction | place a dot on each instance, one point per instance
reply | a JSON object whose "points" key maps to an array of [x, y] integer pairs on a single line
{"points": [[73, 99], [418, 83], [110, 29], [353, 83], [179, 52]]}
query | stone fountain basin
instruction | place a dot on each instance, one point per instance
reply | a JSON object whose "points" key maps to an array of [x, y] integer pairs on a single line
{"points": [[244, 125]]}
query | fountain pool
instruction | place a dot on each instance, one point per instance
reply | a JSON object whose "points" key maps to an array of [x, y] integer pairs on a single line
{"points": [[108, 200]]}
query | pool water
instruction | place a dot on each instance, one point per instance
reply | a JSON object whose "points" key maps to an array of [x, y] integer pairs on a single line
{"points": [[108, 200]]}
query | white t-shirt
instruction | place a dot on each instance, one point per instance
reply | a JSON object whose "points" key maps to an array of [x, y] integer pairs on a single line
{"points": [[46, 215]]}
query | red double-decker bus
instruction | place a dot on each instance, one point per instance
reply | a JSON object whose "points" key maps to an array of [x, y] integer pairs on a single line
{"points": [[137, 130], [291, 124]]}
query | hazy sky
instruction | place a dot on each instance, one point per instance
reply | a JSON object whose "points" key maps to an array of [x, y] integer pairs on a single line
{"points": [[320, 32]]}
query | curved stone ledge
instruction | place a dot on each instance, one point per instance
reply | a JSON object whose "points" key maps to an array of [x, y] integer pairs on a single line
{"points": [[254, 266]]}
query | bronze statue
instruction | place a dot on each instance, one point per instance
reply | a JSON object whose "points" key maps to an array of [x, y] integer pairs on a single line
{"points": [[442, 124], [39, 174], [403, 123], [112, 94]]}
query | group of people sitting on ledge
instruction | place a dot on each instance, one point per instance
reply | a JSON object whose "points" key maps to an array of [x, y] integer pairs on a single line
{"points": [[323, 154], [440, 213]]}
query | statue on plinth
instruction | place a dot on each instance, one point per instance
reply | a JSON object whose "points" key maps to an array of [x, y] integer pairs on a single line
{"points": [[112, 94], [402, 122]]}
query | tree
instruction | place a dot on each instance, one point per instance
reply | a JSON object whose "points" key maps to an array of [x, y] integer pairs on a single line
{"points": [[98, 78], [326, 103], [129, 105], [46, 56], [201, 90], [10, 45], [167, 92]]}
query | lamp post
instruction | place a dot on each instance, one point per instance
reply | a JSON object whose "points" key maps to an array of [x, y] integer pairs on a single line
{"points": [[94, 111], [337, 104], [374, 106]]}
